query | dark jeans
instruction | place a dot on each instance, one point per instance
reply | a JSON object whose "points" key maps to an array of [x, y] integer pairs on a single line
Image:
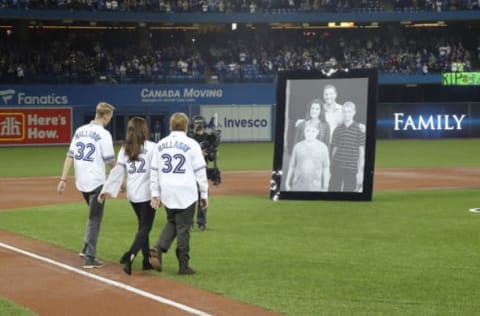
{"points": [[145, 216], [92, 230], [343, 180], [178, 226]]}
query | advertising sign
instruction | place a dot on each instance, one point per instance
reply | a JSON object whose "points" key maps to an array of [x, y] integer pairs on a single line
{"points": [[461, 79], [35, 126], [241, 122], [427, 120]]}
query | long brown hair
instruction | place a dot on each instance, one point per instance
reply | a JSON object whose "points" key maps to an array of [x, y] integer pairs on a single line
{"points": [[320, 102], [137, 134]]}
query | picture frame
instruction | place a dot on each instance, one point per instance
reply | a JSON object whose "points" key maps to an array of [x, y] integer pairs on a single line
{"points": [[308, 163]]}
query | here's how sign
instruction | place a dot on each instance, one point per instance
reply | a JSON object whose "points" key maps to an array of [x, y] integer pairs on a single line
{"points": [[34, 126]]}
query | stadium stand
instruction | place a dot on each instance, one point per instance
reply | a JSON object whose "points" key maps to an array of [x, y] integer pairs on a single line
{"points": [[44, 44]]}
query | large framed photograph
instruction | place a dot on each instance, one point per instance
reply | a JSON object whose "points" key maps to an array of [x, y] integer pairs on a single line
{"points": [[325, 135]]}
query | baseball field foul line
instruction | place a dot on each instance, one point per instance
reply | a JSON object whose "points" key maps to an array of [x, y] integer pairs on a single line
{"points": [[124, 286]]}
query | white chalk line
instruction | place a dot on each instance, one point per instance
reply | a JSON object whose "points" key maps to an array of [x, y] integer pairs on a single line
{"points": [[121, 285]]}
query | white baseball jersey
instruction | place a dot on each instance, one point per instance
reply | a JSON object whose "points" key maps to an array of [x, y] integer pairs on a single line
{"points": [[177, 166], [91, 148], [138, 173]]}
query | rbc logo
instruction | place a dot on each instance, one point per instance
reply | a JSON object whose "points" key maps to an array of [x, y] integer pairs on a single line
{"points": [[7, 95]]}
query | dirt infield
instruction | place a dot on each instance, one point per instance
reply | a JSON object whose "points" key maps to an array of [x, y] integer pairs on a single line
{"points": [[52, 290]]}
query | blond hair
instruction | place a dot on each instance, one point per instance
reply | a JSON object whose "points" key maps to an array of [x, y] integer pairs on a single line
{"points": [[179, 122], [311, 124], [351, 105], [104, 108]]}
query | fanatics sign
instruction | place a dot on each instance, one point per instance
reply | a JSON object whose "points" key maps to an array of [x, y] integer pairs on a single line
{"points": [[35, 126]]}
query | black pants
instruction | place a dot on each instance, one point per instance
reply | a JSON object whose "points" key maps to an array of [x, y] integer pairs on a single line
{"points": [[178, 226], [145, 216]]}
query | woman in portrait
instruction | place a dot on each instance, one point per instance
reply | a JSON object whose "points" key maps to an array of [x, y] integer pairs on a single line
{"points": [[316, 117]]}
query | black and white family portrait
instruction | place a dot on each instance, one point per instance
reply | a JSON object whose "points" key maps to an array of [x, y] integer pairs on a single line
{"points": [[324, 137]]}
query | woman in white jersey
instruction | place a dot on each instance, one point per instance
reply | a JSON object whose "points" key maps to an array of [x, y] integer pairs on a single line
{"points": [[134, 157], [178, 167]]}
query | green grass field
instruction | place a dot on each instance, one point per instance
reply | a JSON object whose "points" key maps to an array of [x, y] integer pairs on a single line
{"points": [[404, 253], [8, 308], [17, 161]]}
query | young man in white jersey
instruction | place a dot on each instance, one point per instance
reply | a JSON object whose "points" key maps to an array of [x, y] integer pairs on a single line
{"points": [[134, 157], [90, 149], [178, 174]]}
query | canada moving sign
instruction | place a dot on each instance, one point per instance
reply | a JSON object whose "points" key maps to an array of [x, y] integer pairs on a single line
{"points": [[34, 126]]}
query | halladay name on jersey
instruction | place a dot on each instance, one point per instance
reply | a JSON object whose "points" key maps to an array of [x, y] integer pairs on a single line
{"points": [[88, 133], [174, 144]]}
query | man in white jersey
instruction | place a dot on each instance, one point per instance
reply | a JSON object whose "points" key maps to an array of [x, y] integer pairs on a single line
{"points": [[177, 168], [90, 149]]}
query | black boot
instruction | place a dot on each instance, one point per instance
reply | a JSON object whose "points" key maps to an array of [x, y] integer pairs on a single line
{"points": [[186, 271], [146, 264], [127, 265], [124, 258], [183, 259]]}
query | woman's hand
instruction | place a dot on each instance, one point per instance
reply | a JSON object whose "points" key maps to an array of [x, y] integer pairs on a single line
{"points": [[298, 122], [155, 202]]}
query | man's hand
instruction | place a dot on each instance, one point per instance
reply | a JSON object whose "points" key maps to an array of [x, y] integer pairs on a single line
{"points": [[203, 203], [362, 127], [359, 178]]}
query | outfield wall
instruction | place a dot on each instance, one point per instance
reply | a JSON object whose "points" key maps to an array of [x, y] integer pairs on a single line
{"points": [[47, 114]]}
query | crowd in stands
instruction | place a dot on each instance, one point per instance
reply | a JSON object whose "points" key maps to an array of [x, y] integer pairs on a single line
{"points": [[387, 50], [435, 5], [248, 6], [74, 56], [85, 57]]}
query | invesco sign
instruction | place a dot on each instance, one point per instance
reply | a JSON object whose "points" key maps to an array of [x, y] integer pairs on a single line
{"points": [[236, 122], [431, 122]]}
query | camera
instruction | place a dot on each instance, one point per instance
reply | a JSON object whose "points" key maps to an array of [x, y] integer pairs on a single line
{"points": [[209, 138], [210, 145]]}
